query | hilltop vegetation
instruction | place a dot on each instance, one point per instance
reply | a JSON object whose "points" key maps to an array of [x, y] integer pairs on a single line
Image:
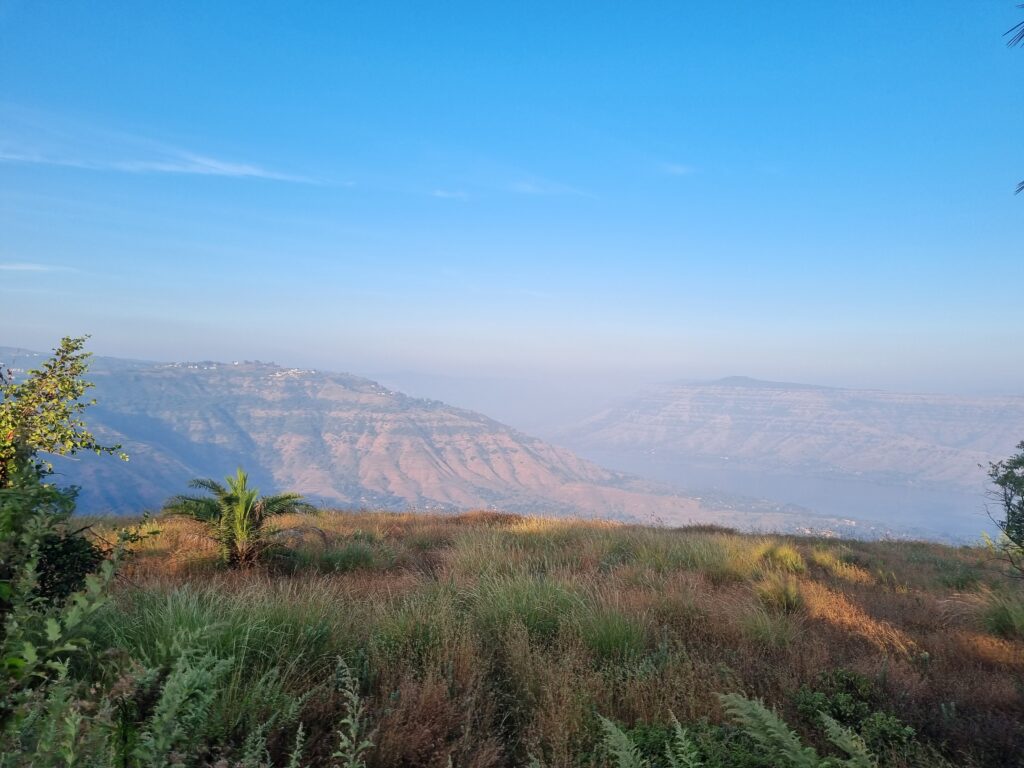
{"points": [[494, 640]]}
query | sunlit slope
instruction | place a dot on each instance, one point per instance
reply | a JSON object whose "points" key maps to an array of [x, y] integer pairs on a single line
{"points": [[335, 437]]}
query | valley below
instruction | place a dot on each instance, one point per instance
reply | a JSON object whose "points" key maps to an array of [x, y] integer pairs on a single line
{"points": [[738, 452], [883, 463]]}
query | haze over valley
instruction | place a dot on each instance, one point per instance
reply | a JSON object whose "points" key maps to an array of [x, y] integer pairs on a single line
{"points": [[916, 461], [738, 451]]}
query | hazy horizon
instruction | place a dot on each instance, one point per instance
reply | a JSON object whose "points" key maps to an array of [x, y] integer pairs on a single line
{"points": [[537, 404]]}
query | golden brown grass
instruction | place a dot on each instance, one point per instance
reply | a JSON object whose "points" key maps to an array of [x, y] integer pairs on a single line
{"points": [[490, 638]]}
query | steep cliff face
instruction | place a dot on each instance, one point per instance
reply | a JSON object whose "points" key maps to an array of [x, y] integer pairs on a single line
{"points": [[891, 437], [334, 437]]}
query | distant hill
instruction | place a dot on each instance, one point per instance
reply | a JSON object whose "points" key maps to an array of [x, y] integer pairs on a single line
{"points": [[784, 434], [338, 438]]}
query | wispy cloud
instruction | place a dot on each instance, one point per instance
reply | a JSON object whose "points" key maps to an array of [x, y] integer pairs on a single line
{"points": [[22, 266], [677, 169], [543, 188], [175, 161], [30, 138], [449, 194], [188, 162]]}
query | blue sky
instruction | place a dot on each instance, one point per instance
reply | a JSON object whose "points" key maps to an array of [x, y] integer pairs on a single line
{"points": [[801, 190]]}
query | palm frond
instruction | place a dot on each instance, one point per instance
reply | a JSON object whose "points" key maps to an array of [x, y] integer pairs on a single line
{"points": [[208, 484], [282, 504], [1016, 32]]}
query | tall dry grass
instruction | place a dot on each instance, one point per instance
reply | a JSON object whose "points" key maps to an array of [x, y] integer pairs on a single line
{"points": [[491, 640]]}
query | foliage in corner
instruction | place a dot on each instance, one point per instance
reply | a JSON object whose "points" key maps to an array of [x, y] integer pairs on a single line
{"points": [[51, 579], [1008, 478], [42, 414]]}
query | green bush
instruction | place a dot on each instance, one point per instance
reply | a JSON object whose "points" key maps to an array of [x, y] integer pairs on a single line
{"points": [[843, 695], [65, 559], [886, 734], [853, 700]]}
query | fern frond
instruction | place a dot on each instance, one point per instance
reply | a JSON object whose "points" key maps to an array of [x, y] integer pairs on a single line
{"points": [[682, 752], [295, 758], [852, 744], [770, 731], [620, 746]]}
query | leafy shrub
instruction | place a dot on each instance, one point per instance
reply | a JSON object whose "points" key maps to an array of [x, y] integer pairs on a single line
{"points": [[853, 700], [782, 747], [65, 559], [165, 717], [887, 734], [354, 736], [1008, 477], [841, 694]]}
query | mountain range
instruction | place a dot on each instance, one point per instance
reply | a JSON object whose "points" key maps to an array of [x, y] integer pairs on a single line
{"points": [[337, 438], [915, 459], [737, 451]]}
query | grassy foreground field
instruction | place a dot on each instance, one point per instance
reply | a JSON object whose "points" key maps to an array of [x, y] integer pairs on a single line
{"points": [[493, 640]]}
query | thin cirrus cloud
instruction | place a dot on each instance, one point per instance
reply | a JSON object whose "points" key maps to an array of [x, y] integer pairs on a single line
{"points": [[543, 188], [174, 161], [32, 138], [449, 194], [22, 266]]}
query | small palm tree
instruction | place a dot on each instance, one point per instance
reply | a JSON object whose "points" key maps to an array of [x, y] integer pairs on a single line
{"points": [[235, 514]]}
